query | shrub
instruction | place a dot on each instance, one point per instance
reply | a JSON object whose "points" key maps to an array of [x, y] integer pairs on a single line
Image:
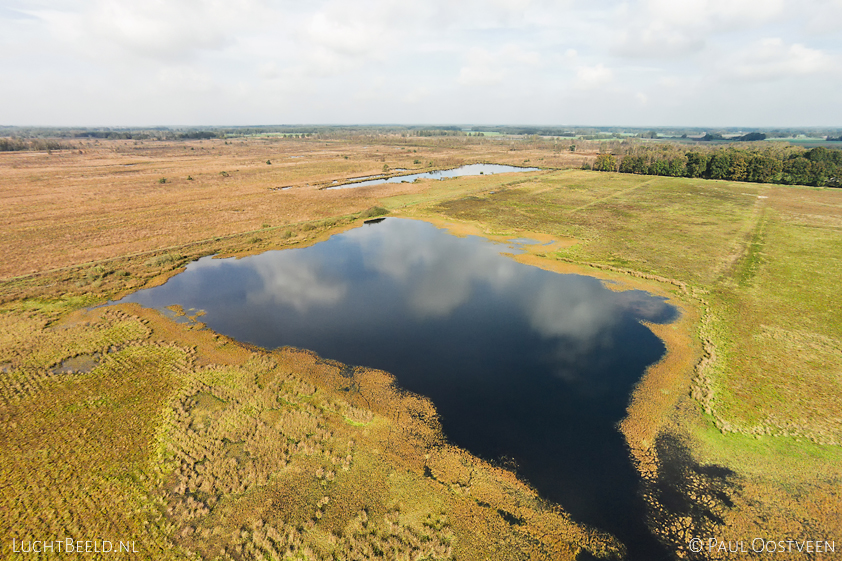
{"points": [[606, 162], [374, 211], [160, 260]]}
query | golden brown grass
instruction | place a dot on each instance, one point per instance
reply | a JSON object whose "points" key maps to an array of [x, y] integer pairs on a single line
{"points": [[255, 454], [66, 208]]}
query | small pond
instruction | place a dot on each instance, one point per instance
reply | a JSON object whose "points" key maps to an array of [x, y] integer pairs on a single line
{"points": [[523, 365], [471, 169]]}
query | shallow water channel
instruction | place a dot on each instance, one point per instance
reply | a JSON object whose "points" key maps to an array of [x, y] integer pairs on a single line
{"points": [[471, 169], [524, 365]]}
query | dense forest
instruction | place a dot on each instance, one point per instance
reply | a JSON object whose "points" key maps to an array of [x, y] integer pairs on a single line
{"points": [[789, 165]]}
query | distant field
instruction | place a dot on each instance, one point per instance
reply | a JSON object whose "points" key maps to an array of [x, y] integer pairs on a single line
{"points": [[808, 140], [123, 423], [121, 197]]}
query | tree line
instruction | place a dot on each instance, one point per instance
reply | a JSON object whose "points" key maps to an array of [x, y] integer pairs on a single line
{"points": [[818, 166], [19, 144]]}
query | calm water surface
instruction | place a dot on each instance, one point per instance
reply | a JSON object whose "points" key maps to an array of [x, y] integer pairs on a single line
{"points": [[521, 363], [471, 169]]}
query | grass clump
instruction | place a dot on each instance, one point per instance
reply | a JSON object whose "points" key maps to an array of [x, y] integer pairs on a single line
{"points": [[374, 211], [165, 259]]}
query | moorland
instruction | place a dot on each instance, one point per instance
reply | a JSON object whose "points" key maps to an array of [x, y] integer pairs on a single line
{"points": [[118, 423]]}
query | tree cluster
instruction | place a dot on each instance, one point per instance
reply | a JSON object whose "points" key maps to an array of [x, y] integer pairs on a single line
{"points": [[750, 137], [445, 131], [818, 166], [19, 144]]}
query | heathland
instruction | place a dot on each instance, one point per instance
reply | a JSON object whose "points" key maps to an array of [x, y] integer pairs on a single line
{"points": [[121, 424]]}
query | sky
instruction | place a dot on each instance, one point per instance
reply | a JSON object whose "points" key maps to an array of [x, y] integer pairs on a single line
{"points": [[705, 63]]}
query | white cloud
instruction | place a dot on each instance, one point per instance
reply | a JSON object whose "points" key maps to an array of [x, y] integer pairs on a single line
{"points": [[479, 75], [487, 68], [670, 29], [591, 77], [416, 95], [348, 36], [161, 30], [823, 16], [714, 15], [541, 61], [658, 41], [186, 78], [773, 59]]}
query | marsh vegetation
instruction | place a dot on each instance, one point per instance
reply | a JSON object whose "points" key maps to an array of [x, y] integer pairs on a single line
{"points": [[111, 419], [524, 366]]}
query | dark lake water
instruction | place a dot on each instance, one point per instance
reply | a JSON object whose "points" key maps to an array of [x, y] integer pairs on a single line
{"points": [[471, 169], [521, 363]]}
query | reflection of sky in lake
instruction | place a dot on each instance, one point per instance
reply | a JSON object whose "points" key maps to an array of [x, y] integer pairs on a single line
{"points": [[461, 171], [519, 361]]}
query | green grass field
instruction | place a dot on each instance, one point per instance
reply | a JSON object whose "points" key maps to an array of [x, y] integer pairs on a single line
{"points": [[764, 257], [761, 263]]}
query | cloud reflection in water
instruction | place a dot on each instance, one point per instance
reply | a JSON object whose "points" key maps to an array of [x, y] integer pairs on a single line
{"points": [[519, 362]]}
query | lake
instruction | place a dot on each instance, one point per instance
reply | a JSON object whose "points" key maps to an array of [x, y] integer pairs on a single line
{"points": [[471, 169], [523, 365]]}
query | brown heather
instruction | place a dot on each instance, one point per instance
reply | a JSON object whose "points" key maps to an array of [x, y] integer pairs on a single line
{"points": [[275, 454]]}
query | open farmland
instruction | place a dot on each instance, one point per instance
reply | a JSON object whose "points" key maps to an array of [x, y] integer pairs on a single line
{"points": [[123, 424]]}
